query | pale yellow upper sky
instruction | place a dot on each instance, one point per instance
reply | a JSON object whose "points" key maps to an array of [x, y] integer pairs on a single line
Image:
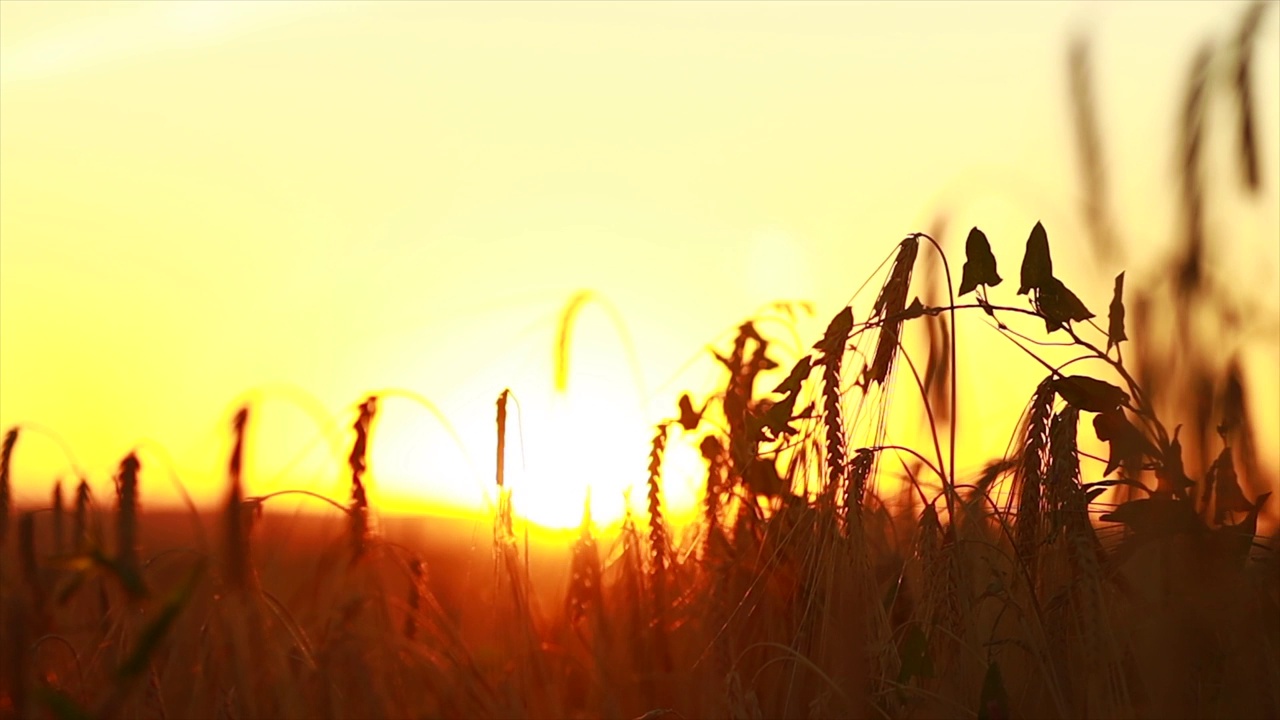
{"points": [[201, 200]]}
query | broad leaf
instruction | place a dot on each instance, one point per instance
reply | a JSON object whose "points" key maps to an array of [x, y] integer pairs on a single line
{"points": [[60, 705], [1037, 266], [130, 578], [1226, 486], [689, 418], [979, 263], [1235, 541], [1156, 516], [915, 656], [1115, 315], [915, 310], [153, 632], [1128, 445], [1170, 477], [1058, 305], [1232, 401], [762, 478], [1090, 394], [774, 418], [798, 373], [993, 704]]}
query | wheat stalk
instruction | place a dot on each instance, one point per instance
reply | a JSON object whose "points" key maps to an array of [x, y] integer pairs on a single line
{"points": [[358, 461], [59, 515], [80, 519], [27, 558], [657, 527], [127, 513], [1029, 477], [1089, 146], [6, 457], [238, 564]]}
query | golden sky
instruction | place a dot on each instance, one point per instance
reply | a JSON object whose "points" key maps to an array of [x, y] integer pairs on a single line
{"points": [[203, 203]]}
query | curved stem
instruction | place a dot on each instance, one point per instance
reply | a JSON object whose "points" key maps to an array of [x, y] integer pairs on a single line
{"points": [[928, 407], [308, 493], [949, 480], [902, 448]]}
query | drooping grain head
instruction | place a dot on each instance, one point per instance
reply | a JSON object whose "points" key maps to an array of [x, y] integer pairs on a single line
{"points": [[564, 334], [890, 304], [1190, 273], [1243, 47]]}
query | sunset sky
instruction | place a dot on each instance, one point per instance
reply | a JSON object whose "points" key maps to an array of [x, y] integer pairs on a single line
{"points": [[295, 204]]}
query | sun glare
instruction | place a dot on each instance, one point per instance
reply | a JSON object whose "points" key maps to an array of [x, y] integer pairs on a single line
{"points": [[581, 430]]}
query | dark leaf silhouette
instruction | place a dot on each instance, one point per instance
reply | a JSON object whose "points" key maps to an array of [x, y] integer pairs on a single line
{"points": [[1226, 486], [711, 448], [689, 418], [798, 373], [833, 340], [1156, 516], [60, 705], [1128, 445], [129, 576], [915, 656], [993, 704], [1234, 541], [914, 310], [1115, 315], [1232, 400], [979, 263], [151, 635], [775, 418], [1058, 305], [1090, 394], [761, 477], [1037, 266], [1170, 477]]}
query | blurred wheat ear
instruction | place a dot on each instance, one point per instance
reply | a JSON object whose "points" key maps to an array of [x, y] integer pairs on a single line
{"points": [[237, 540], [6, 458]]}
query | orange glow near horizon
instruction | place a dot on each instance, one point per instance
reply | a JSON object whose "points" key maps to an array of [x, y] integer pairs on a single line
{"points": [[294, 205]]}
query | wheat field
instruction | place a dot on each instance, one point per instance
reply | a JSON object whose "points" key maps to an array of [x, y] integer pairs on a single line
{"points": [[1118, 561]]}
